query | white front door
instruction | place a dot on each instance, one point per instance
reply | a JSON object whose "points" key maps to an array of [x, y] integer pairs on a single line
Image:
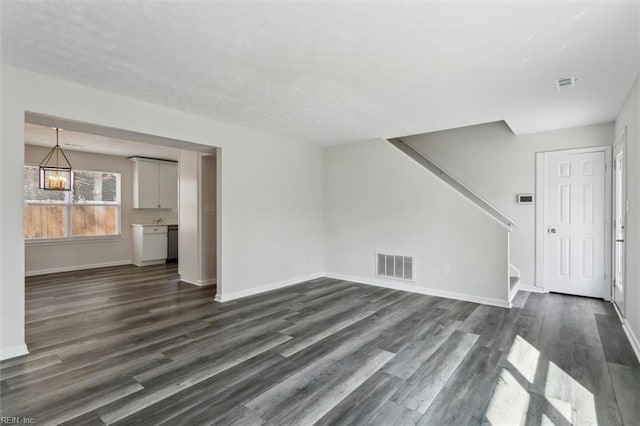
{"points": [[619, 209], [575, 220]]}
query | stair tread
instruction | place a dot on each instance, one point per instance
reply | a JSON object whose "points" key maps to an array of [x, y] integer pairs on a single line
{"points": [[513, 281]]}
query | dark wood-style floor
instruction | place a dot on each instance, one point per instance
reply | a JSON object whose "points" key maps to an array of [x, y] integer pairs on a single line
{"points": [[131, 345]]}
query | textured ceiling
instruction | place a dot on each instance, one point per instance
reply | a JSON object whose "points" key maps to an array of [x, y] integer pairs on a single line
{"points": [[331, 73]]}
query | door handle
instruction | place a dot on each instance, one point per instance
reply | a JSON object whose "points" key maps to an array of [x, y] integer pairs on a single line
{"points": [[619, 241], [551, 230]]}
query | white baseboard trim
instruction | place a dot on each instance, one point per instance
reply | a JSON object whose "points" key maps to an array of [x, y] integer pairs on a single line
{"points": [[524, 287], [35, 272], [150, 262], [14, 351], [375, 282], [631, 336], [531, 288], [273, 286], [200, 283], [633, 339], [423, 290], [615, 308]]}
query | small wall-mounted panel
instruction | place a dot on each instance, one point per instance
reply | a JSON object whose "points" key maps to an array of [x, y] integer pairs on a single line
{"points": [[524, 198]]}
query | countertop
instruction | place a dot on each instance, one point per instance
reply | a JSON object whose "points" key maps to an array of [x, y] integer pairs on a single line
{"points": [[154, 224]]}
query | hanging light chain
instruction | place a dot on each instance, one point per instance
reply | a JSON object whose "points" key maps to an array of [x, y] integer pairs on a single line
{"points": [[59, 177], [57, 152]]}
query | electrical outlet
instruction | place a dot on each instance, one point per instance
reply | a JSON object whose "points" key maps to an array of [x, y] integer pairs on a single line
{"points": [[445, 269]]}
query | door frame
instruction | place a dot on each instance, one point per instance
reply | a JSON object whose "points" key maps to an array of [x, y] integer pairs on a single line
{"points": [[622, 143], [541, 267]]}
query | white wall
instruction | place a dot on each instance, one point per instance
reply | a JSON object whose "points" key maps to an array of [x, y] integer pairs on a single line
{"points": [[207, 197], [270, 187], [48, 257], [197, 237], [188, 237], [497, 165], [629, 117], [377, 198]]}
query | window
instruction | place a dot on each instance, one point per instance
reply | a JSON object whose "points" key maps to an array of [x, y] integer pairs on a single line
{"points": [[91, 208]]}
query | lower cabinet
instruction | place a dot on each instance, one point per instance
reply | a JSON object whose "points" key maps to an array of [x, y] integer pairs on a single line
{"points": [[149, 244]]}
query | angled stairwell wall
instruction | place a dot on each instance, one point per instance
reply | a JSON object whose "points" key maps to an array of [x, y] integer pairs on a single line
{"points": [[467, 193], [484, 206], [497, 164], [378, 199]]}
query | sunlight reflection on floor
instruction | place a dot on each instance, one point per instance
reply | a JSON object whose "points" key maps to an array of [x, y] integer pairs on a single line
{"points": [[546, 421], [566, 400], [524, 358], [563, 387], [510, 402]]}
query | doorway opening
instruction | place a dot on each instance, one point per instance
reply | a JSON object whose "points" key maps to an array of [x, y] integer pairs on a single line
{"points": [[133, 183]]}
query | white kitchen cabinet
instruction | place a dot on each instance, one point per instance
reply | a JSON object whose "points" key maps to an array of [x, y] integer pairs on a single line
{"points": [[149, 244], [168, 188], [155, 184], [146, 188]]}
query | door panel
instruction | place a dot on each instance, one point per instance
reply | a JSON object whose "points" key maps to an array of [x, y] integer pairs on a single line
{"points": [[575, 219]]}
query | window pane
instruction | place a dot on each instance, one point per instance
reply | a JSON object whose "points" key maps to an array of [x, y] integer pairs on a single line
{"points": [[33, 193], [95, 187], [94, 220], [44, 221]]}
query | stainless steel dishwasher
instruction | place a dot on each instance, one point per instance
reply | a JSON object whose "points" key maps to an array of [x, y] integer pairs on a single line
{"points": [[172, 244]]}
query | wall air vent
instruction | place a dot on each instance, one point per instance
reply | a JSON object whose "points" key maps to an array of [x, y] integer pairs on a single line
{"points": [[566, 83], [394, 266]]}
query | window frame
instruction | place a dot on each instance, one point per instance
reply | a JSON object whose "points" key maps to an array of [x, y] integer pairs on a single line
{"points": [[68, 205]]}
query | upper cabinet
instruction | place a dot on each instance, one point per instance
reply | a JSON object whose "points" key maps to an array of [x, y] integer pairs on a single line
{"points": [[155, 184], [168, 188]]}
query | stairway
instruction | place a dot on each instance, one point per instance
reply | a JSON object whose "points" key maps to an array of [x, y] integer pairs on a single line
{"points": [[455, 184], [513, 277], [513, 281]]}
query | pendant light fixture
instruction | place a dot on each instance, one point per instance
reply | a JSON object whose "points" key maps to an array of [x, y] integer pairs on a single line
{"points": [[55, 173]]}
